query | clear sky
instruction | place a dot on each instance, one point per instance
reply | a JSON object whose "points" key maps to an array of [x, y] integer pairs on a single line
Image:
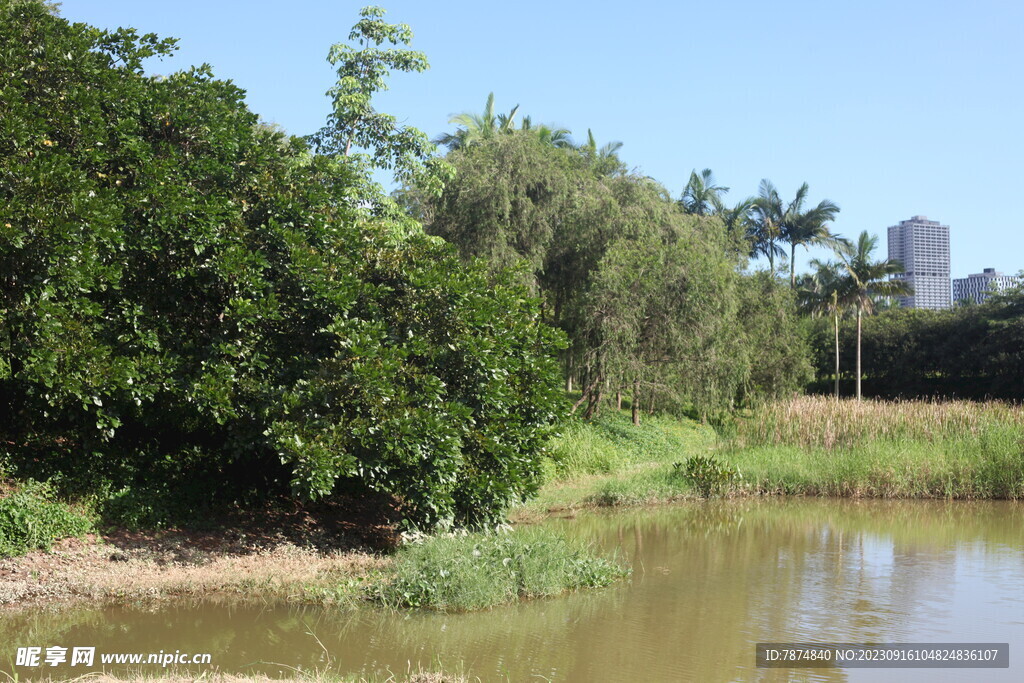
{"points": [[889, 108]]}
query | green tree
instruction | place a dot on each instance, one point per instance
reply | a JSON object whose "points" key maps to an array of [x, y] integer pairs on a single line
{"points": [[473, 128], [605, 159], [828, 292], [701, 196], [806, 227], [195, 308], [765, 225], [362, 71], [867, 278]]}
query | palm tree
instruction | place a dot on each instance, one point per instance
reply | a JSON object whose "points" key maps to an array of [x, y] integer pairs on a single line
{"points": [[827, 292], [867, 279], [701, 196], [604, 159], [552, 137], [806, 228], [766, 219], [475, 127]]}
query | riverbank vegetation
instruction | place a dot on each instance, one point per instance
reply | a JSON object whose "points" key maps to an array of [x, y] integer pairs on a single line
{"points": [[808, 446], [905, 449], [198, 310], [200, 315], [475, 571], [31, 518]]}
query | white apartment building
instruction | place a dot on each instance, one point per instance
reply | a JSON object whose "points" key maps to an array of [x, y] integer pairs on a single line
{"points": [[922, 246], [978, 286]]}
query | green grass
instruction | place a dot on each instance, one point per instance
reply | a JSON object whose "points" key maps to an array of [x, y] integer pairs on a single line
{"points": [[988, 465], [480, 570], [807, 446], [32, 518], [610, 461], [879, 449]]}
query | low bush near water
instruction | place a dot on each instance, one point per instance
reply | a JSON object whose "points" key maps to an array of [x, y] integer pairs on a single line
{"points": [[30, 519], [708, 475], [480, 570]]}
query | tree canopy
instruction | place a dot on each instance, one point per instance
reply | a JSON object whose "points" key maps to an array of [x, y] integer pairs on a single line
{"points": [[197, 305], [650, 296]]}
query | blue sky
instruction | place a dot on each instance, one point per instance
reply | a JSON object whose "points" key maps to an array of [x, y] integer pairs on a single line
{"points": [[890, 109]]}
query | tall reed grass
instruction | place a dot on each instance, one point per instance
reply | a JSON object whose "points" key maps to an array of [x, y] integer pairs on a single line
{"points": [[823, 422], [903, 449]]}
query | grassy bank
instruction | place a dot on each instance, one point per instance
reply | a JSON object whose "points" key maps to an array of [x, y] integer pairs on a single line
{"points": [[912, 449], [808, 446], [609, 461]]}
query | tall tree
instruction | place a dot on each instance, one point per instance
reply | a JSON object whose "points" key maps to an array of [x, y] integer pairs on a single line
{"points": [[827, 292], [701, 196], [354, 124], [473, 128], [605, 158], [764, 230], [866, 279], [194, 306], [806, 228]]}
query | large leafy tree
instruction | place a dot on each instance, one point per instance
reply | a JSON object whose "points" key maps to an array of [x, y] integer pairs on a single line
{"points": [[865, 279], [195, 305], [649, 296]]}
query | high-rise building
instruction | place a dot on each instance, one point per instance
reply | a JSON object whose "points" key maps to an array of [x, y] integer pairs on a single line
{"points": [[978, 286], [922, 246]]}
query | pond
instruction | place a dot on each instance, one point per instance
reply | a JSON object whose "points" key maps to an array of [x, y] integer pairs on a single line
{"points": [[709, 582]]}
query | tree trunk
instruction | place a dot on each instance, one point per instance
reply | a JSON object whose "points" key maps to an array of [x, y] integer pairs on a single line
{"points": [[595, 403], [568, 383], [618, 400], [587, 391], [837, 356], [792, 265], [858, 351], [636, 403]]}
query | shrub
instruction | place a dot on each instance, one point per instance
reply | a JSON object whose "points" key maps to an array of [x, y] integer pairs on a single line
{"points": [[30, 519], [707, 475]]}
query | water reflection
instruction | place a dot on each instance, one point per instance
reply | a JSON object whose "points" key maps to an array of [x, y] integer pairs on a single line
{"points": [[709, 582]]}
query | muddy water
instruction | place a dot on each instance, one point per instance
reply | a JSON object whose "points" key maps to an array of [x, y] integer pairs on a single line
{"points": [[709, 582]]}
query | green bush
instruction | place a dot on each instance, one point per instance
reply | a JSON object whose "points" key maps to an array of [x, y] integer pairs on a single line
{"points": [[480, 570], [31, 518], [195, 299], [708, 475]]}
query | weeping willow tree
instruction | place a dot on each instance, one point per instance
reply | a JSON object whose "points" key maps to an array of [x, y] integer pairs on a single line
{"points": [[652, 299]]}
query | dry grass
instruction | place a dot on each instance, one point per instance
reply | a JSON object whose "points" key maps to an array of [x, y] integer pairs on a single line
{"points": [[821, 422], [99, 571]]}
